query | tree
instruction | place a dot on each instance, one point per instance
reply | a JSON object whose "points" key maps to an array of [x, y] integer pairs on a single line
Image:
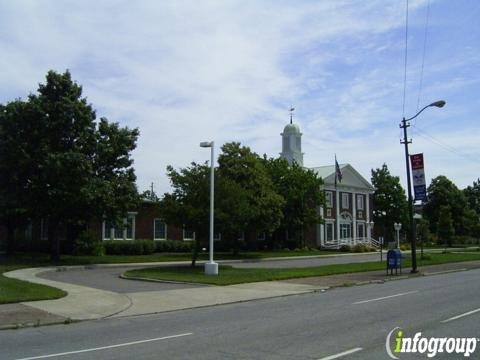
{"points": [[301, 190], [188, 204], [390, 203], [445, 229], [75, 168], [443, 193], [239, 165], [14, 165], [472, 195]]}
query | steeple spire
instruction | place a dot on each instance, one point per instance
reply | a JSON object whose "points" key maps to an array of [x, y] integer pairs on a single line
{"points": [[292, 109]]}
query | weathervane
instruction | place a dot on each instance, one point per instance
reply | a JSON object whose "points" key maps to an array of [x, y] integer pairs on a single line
{"points": [[292, 109]]}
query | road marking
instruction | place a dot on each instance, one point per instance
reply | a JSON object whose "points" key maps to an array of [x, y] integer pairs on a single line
{"points": [[461, 315], [339, 355], [385, 297], [105, 347]]}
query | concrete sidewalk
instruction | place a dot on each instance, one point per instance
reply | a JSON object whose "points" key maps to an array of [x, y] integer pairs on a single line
{"points": [[85, 303]]}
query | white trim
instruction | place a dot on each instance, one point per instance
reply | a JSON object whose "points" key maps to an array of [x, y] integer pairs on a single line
{"points": [[155, 229], [345, 199], [360, 204], [354, 219], [187, 239], [131, 215], [328, 199]]}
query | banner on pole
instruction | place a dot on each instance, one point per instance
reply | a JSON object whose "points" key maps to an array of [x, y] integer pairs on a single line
{"points": [[418, 177]]}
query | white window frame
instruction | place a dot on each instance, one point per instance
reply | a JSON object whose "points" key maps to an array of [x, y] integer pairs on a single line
{"points": [[261, 236], [187, 239], [361, 225], [329, 212], [345, 201], [327, 225], [329, 199], [111, 232], [360, 202], [155, 229]]}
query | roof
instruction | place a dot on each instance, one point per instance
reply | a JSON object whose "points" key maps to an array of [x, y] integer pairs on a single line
{"points": [[351, 177], [291, 128]]}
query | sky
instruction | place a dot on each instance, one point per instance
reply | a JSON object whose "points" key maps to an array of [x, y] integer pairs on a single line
{"points": [[190, 71]]}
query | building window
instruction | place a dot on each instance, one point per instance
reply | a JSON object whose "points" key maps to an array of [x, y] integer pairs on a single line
{"points": [[345, 231], [345, 201], [126, 231], [360, 214], [360, 202], [261, 236], [159, 229], [329, 232], [360, 230], [329, 212], [241, 236], [328, 199], [188, 235]]}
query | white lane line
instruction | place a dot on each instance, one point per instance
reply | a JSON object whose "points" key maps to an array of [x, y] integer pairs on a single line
{"points": [[105, 347], [461, 315], [339, 355], [385, 297]]}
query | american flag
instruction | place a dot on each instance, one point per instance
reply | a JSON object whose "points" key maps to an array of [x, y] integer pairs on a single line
{"points": [[338, 172]]}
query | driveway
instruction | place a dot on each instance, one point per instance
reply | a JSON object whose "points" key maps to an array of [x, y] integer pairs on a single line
{"points": [[109, 279]]}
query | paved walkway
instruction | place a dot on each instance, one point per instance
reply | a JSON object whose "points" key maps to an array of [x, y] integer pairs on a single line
{"points": [[84, 302]]}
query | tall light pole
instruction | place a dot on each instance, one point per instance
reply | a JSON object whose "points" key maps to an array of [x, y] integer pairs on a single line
{"points": [[404, 125], [397, 227], [211, 267]]}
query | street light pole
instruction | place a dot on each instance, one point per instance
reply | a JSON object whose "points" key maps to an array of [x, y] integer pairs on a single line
{"points": [[404, 125], [397, 227], [211, 267]]}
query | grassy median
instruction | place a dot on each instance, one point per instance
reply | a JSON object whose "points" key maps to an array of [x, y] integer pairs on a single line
{"points": [[229, 275], [13, 290]]}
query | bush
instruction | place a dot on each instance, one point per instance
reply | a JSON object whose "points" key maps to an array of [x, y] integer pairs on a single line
{"points": [[359, 248], [88, 244], [345, 248], [404, 247], [129, 247], [173, 246]]}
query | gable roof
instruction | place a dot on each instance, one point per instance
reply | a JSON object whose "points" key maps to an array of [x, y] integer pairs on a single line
{"points": [[350, 178]]}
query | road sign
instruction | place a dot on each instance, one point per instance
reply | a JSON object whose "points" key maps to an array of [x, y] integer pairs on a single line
{"points": [[418, 177]]}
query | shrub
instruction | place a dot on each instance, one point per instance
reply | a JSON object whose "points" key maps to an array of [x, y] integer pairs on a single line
{"points": [[129, 247], [404, 247], [345, 248], [173, 246], [88, 244], [359, 248]]}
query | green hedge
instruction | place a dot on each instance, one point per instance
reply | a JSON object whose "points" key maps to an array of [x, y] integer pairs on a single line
{"points": [[173, 246], [129, 247]]}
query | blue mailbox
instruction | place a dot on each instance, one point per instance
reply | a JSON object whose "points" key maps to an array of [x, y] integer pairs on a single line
{"points": [[394, 261]]}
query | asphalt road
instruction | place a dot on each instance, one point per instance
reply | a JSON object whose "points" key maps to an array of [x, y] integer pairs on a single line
{"points": [[353, 321]]}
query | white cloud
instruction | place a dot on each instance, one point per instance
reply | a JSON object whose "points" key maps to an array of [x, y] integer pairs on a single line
{"points": [[188, 71]]}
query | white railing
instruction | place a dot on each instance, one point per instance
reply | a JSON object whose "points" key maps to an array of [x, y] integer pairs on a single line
{"points": [[336, 244]]}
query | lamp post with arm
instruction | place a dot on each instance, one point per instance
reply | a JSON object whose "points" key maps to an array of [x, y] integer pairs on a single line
{"points": [[211, 267], [404, 125]]}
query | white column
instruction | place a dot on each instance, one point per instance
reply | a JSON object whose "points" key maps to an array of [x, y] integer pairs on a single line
{"points": [[367, 216], [354, 217], [337, 219], [321, 229]]}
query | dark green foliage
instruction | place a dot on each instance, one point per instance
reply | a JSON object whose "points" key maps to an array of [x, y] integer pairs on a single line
{"points": [[302, 192], [389, 201], [88, 243], [445, 229], [64, 167], [443, 193], [345, 248], [129, 247], [173, 246]]}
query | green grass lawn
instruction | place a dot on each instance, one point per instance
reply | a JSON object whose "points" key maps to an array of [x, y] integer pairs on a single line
{"points": [[229, 275], [13, 290]]}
